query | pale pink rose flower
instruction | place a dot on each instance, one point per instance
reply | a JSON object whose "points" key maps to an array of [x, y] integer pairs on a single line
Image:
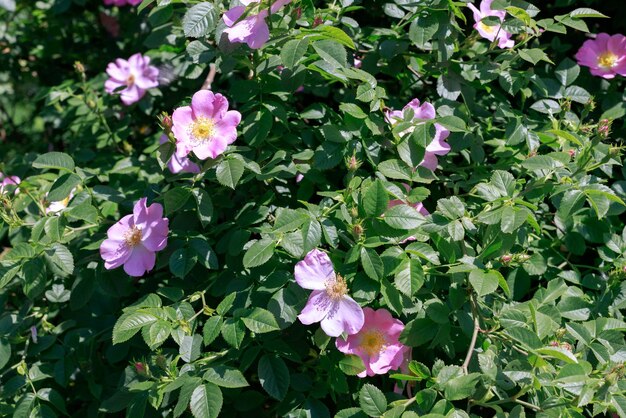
{"points": [[206, 127], [134, 239], [605, 56], [253, 29], [135, 75], [329, 303], [376, 343], [491, 32], [179, 162], [425, 111], [9, 181]]}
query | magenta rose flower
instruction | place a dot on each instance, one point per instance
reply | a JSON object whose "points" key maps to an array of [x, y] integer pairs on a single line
{"points": [[134, 239], [252, 30], [9, 181], [179, 162], [206, 127], [491, 32], [329, 303], [425, 111], [605, 56], [376, 343], [135, 75]]}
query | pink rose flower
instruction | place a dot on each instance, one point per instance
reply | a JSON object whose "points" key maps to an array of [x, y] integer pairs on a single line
{"points": [[426, 111], [122, 2], [134, 239], [491, 32], [252, 30], [206, 127], [376, 343], [179, 162], [9, 180], [329, 303], [135, 75], [605, 56]]}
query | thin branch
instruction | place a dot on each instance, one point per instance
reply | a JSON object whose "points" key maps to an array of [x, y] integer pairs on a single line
{"points": [[470, 350]]}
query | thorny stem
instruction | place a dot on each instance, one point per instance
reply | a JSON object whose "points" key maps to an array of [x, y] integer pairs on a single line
{"points": [[470, 350]]}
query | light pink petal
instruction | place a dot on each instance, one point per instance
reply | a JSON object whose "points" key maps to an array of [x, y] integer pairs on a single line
{"points": [[202, 103], [317, 307], [233, 15], [116, 72], [477, 13], [601, 72], [387, 359], [220, 106], [136, 61], [119, 229], [226, 134], [181, 119], [601, 43], [425, 111], [259, 35], [131, 95], [345, 316], [279, 4], [210, 149], [429, 161], [144, 216], [504, 39], [114, 253], [148, 78], [393, 116], [421, 209], [111, 85], [156, 240], [313, 272], [140, 261]]}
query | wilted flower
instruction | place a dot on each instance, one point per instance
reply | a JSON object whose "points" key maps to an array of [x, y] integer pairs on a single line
{"points": [[58, 206], [206, 127], [329, 303], [605, 56], [9, 180], [376, 343], [491, 32], [135, 75], [252, 30], [425, 111], [179, 161], [122, 2], [134, 239]]}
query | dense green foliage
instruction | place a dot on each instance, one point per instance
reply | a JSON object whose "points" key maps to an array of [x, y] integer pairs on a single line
{"points": [[513, 291]]}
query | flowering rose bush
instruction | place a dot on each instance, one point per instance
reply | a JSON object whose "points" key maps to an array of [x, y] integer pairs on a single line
{"points": [[312, 209]]}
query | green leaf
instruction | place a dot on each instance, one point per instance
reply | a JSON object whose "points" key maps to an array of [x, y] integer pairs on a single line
{"points": [[200, 20], [395, 169], [156, 333], [233, 332], [175, 199], [211, 329], [289, 220], [129, 324], [409, 277], [204, 206], [182, 261], [206, 255], [60, 259], [422, 29], [190, 348], [229, 172], [293, 51], [619, 403], [225, 376], [35, 276], [418, 332], [57, 160], [260, 321], [372, 401], [483, 282], [5, 352], [372, 263], [558, 353], [63, 186], [567, 72], [403, 217], [259, 253], [453, 123], [206, 401], [375, 199], [331, 52], [274, 376], [351, 365], [586, 12], [461, 387], [534, 55]]}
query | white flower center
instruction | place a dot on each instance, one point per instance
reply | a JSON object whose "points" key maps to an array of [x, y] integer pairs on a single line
{"points": [[336, 288]]}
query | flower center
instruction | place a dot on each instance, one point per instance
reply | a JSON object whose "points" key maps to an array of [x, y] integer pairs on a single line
{"points": [[607, 59], [336, 288], [132, 237], [130, 80], [202, 129], [489, 29], [372, 341]]}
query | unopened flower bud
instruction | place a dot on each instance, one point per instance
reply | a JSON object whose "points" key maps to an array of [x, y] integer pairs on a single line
{"points": [[353, 164], [566, 346], [166, 122], [78, 66], [140, 368], [572, 153], [505, 259], [317, 21], [604, 128], [357, 230], [354, 212]]}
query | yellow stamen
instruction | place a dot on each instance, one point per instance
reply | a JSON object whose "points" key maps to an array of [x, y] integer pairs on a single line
{"points": [[372, 342], [202, 129], [132, 237], [336, 288], [487, 28], [130, 80], [607, 59]]}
